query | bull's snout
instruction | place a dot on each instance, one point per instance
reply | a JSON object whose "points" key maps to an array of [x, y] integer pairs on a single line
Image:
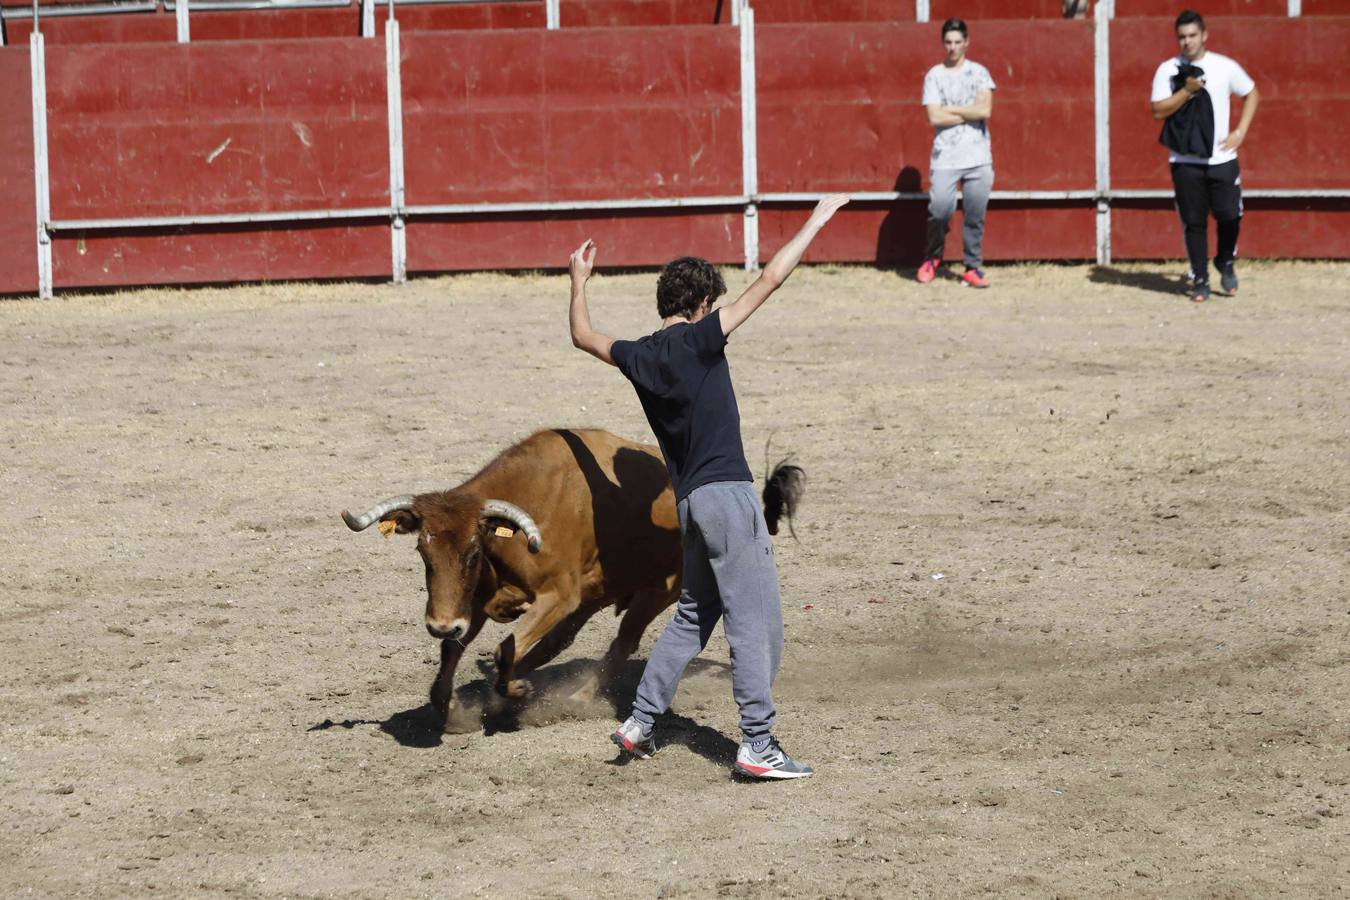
{"points": [[447, 631]]}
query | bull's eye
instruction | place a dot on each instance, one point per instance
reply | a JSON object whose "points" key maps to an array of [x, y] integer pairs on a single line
{"points": [[472, 559]]}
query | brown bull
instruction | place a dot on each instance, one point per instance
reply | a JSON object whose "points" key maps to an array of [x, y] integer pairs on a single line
{"points": [[554, 529]]}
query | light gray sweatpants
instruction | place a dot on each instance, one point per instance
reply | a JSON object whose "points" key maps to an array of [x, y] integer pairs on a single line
{"points": [[976, 183], [729, 574]]}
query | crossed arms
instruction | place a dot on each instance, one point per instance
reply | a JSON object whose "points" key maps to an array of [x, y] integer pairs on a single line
{"points": [[940, 116], [598, 344]]}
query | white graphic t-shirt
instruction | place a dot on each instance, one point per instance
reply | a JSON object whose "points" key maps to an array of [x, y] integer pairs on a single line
{"points": [[966, 145], [1223, 76]]}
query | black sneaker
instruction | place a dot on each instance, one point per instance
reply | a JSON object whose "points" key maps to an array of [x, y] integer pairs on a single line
{"points": [[1199, 292], [1228, 279], [771, 762]]}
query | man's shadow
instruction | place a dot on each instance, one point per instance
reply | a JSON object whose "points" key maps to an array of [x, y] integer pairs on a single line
{"points": [[904, 230], [1156, 282]]}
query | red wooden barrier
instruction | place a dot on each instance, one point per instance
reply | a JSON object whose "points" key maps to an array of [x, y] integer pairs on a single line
{"points": [[587, 114], [840, 105], [18, 217], [155, 130]]}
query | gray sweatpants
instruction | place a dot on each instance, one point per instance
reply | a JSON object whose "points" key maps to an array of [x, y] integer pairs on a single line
{"points": [[729, 574], [976, 183]]}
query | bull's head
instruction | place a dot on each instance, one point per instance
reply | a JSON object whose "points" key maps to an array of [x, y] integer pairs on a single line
{"points": [[451, 532]]}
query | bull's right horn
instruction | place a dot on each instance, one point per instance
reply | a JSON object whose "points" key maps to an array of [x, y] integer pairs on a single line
{"points": [[376, 512], [518, 517]]}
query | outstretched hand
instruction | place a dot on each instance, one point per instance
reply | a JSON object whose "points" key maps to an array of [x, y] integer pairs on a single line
{"points": [[582, 261], [826, 208]]}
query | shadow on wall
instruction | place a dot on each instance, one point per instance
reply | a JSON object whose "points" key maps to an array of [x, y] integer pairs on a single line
{"points": [[900, 239]]}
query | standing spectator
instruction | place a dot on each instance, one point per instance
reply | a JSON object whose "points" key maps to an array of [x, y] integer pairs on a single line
{"points": [[959, 96], [1190, 92]]}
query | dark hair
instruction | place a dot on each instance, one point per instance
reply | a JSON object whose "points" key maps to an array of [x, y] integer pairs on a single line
{"points": [[685, 284], [955, 25], [1190, 17]]}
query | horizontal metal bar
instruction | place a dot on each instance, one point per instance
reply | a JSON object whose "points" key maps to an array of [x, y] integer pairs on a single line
{"points": [[298, 215], [730, 201], [1247, 193], [883, 196], [83, 9], [398, 3], [232, 5], [441, 209]]}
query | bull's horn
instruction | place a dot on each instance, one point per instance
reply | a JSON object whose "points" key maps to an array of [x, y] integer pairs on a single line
{"points": [[376, 512], [518, 517]]}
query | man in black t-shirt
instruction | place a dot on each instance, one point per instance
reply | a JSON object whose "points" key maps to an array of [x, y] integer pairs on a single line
{"points": [[682, 379]]}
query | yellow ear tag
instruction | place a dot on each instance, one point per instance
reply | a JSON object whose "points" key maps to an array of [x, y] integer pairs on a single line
{"points": [[387, 527], [503, 531]]}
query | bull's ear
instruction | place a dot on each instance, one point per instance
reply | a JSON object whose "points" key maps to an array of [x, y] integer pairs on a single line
{"points": [[400, 520]]}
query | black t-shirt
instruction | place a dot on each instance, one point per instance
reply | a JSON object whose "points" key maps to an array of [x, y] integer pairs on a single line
{"points": [[681, 376]]}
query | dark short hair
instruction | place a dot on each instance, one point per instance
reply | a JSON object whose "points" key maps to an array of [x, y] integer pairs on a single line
{"points": [[955, 25], [685, 284], [1190, 17]]}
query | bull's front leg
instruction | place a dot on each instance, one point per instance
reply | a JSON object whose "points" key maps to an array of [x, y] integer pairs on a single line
{"points": [[452, 650], [544, 614]]}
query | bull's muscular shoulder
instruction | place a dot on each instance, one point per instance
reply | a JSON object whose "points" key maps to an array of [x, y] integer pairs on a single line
{"points": [[606, 501]]}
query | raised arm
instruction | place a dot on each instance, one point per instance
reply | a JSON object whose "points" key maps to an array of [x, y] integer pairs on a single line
{"points": [[579, 316], [781, 266]]}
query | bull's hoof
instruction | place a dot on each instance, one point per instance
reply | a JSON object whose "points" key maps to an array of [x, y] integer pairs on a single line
{"points": [[518, 689]]}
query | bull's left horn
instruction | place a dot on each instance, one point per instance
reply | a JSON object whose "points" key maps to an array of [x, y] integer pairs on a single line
{"points": [[376, 512], [518, 517]]}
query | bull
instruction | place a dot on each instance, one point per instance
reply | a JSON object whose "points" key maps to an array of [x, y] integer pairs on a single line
{"points": [[563, 524]]}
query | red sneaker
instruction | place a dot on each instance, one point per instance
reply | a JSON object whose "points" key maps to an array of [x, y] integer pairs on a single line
{"points": [[975, 278], [928, 271]]}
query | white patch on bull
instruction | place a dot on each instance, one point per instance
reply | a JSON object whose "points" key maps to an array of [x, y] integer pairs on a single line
{"points": [[211, 157]]}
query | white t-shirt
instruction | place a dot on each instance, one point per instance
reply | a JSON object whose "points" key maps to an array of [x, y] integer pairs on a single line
{"points": [[1223, 76], [963, 146]]}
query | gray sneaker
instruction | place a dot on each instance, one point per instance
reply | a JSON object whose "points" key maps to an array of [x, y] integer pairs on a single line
{"points": [[1228, 279], [770, 762], [632, 738]]}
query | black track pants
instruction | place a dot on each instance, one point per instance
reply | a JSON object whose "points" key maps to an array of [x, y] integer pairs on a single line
{"points": [[1200, 190]]}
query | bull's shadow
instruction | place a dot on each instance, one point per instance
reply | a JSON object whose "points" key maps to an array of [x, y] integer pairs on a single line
{"points": [[482, 709]]}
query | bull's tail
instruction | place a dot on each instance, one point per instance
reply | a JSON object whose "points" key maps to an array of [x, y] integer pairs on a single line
{"points": [[783, 491]]}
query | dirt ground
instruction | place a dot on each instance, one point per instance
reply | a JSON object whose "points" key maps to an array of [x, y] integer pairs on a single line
{"points": [[1069, 613]]}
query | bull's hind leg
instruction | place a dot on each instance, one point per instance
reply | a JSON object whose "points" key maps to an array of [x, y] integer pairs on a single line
{"points": [[516, 656], [645, 606], [443, 688]]}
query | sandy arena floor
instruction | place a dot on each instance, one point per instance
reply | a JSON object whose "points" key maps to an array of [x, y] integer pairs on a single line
{"points": [[1069, 614]]}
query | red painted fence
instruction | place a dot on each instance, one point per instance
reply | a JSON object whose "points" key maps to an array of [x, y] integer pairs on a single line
{"points": [[621, 113]]}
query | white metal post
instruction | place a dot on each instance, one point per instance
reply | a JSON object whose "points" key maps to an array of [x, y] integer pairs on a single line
{"points": [[749, 140], [552, 15], [37, 55], [1101, 59], [1295, 8], [394, 88], [367, 18], [180, 12], [736, 11], [921, 10]]}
